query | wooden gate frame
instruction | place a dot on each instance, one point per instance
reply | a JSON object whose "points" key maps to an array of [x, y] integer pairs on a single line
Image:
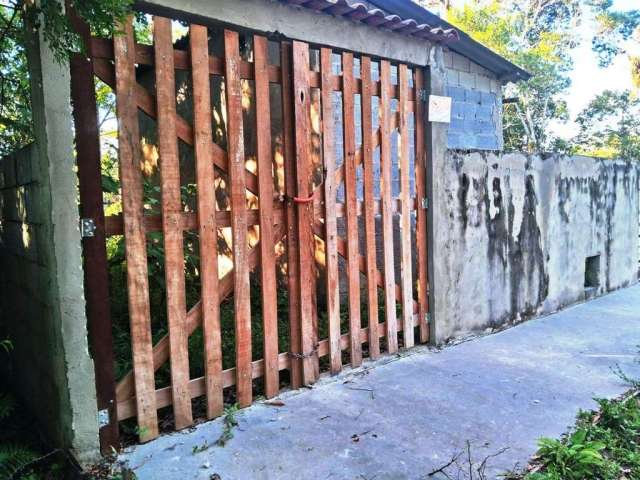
{"points": [[292, 220]]}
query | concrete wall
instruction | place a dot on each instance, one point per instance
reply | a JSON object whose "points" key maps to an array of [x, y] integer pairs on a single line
{"points": [[41, 266], [476, 117], [512, 234]]}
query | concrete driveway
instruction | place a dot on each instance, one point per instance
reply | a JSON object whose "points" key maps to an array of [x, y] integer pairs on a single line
{"points": [[402, 418]]}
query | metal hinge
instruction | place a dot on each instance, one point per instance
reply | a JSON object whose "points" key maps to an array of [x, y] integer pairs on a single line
{"points": [[427, 318], [87, 228], [422, 95], [103, 418], [425, 203]]}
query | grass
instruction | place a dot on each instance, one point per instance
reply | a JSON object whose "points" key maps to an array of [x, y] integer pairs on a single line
{"points": [[604, 444]]}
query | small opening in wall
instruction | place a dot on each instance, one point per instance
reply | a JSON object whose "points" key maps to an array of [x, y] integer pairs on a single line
{"points": [[592, 272]]}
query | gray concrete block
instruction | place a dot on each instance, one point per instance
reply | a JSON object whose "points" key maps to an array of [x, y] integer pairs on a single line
{"points": [[456, 93], [460, 63], [483, 83], [484, 127], [9, 165], [24, 167], [488, 98], [472, 96], [457, 110], [456, 125], [486, 142], [453, 77], [468, 80], [484, 112], [448, 58], [454, 141], [469, 110]]}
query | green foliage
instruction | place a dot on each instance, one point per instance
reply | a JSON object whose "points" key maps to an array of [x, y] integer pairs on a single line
{"points": [[605, 445], [13, 457], [229, 423], [15, 104], [574, 458], [610, 126], [614, 28]]}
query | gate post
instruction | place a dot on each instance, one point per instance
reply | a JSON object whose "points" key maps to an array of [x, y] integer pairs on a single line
{"points": [[65, 401], [96, 277], [436, 146]]}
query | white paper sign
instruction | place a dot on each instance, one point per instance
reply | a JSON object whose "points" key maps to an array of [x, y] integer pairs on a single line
{"points": [[439, 109]]}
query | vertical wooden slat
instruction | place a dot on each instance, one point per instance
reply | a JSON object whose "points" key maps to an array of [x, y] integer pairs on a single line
{"points": [[96, 275], [265, 190], [421, 221], [330, 218], [235, 147], [306, 239], [386, 192], [207, 226], [351, 205], [134, 233], [171, 221], [369, 208], [293, 255], [406, 279]]}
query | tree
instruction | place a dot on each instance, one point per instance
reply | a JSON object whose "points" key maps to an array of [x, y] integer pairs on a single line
{"points": [[614, 29], [49, 16], [538, 36], [610, 126]]}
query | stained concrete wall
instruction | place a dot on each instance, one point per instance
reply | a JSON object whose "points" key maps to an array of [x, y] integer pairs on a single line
{"points": [[512, 234], [43, 306]]}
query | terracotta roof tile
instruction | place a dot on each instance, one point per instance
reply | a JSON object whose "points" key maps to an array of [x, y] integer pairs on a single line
{"points": [[360, 12]]}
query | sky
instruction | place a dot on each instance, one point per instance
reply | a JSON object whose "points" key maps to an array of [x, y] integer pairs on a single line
{"points": [[588, 79]]}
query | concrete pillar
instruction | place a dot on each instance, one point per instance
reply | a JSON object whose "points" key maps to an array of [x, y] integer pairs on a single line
{"points": [[436, 151], [74, 424]]}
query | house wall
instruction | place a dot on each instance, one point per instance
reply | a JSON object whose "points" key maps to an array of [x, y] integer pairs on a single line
{"points": [[513, 233], [476, 116]]}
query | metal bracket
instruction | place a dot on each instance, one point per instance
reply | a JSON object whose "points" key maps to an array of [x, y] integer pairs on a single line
{"points": [[425, 203], [422, 95], [87, 228], [103, 418]]}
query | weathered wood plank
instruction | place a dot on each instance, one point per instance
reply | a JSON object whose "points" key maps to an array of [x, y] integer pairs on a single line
{"points": [[387, 208], [135, 241], [235, 146], [267, 246], [307, 287], [146, 102], [125, 388], [369, 207], [102, 49], [171, 212], [207, 221], [421, 216], [351, 204], [330, 218], [293, 260], [406, 272]]}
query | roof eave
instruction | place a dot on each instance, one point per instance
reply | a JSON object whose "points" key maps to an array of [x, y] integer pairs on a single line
{"points": [[505, 70]]}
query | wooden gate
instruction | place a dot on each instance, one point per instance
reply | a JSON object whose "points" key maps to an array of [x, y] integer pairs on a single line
{"points": [[320, 160]]}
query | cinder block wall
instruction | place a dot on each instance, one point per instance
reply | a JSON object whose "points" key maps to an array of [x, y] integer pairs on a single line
{"points": [[514, 233], [38, 358], [476, 116]]}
